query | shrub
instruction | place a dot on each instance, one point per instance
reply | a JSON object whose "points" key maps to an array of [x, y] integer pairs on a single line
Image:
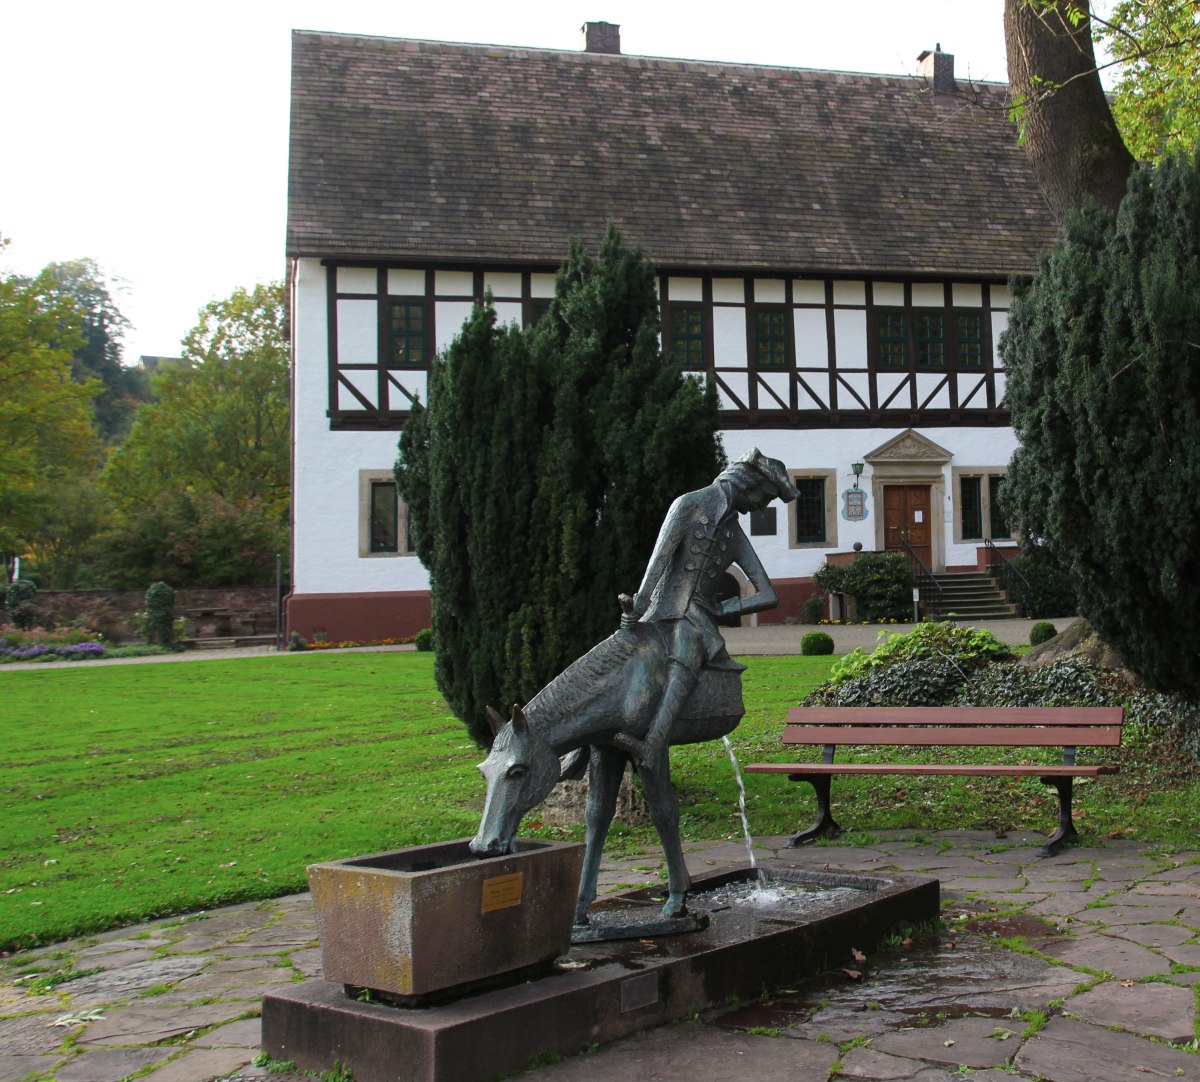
{"points": [[423, 640], [1042, 631], [816, 642], [1069, 681], [881, 583], [160, 615], [1051, 590], [813, 608], [1104, 392], [296, 642], [21, 602], [907, 682], [968, 648]]}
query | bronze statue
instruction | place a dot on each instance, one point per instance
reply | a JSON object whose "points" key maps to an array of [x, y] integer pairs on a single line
{"points": [[664, 678]]}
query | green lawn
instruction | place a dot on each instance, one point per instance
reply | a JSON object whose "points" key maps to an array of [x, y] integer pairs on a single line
{"points": [[137, 791]]}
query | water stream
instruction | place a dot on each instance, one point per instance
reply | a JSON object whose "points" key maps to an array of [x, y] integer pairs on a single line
{"points": [[737, 773]]}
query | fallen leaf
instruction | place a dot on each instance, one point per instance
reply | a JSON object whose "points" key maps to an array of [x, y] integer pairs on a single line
{"points": [[858, 955], [853, 974], [906, 942], [1127, 984], [947, 1044]]}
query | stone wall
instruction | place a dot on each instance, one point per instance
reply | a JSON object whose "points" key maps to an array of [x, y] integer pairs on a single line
{"points": [[111, 612]]}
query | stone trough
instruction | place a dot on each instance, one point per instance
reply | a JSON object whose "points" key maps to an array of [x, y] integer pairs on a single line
{"points": [[595, 992]]}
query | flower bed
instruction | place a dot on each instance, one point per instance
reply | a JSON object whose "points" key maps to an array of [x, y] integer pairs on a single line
{"points": [[49, 644]]}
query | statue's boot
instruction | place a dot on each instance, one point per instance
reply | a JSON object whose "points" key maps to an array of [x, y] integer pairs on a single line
{"points": [[647, 751]]}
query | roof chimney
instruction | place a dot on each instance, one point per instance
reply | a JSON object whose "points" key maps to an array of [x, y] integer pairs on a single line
{"points": [[937, 69], [602, 38]]}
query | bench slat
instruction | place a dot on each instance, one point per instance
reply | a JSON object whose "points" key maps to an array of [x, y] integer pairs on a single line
{"points": [[969, 769], [952, 716], [1106, 736]]}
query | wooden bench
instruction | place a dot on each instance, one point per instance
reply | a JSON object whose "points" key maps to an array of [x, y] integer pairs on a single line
{"points": [[1006, 727]]}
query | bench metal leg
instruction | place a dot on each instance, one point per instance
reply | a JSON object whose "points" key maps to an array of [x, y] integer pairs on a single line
{"points": [[1066, 833], [824, 822]]}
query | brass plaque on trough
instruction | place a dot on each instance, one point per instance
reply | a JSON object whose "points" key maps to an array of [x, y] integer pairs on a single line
{"points": [[501, 892]]}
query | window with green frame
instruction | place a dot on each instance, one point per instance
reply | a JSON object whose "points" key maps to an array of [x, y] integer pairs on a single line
{"points": [[385, 519], [406, 333], [892, 339], [687, 335], [968, 339], [770, 337], [971, 502], [998, 526], [931, 339], [983, 517], [809, 509]]}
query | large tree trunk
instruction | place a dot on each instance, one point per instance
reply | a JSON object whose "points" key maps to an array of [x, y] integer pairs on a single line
{"points": [[1070, 135]]}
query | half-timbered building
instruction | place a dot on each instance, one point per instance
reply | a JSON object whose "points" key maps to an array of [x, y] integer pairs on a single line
{"points": [[833, 251]]}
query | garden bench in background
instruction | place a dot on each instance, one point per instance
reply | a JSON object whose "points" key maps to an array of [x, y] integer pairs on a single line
{"points": [[961, 727]]}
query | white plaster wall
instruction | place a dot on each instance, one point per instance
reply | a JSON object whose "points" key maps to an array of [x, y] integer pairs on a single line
{"points": [[326, 516], [835, 450], [328, 464]]}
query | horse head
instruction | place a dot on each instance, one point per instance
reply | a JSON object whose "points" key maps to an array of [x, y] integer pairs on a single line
{"points": [[520, 770]]}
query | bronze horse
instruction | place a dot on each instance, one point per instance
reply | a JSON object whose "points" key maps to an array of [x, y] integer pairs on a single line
{"points": [[612, 688]]}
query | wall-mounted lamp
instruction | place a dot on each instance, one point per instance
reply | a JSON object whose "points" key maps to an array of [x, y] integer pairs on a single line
{"points": [[857, 467]]}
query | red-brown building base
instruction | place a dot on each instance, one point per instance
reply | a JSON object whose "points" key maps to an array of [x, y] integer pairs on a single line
{"points": [[359, 617], [400, 614]]}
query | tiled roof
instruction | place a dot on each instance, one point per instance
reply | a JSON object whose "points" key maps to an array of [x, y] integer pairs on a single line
{"points": [[417, 150]]}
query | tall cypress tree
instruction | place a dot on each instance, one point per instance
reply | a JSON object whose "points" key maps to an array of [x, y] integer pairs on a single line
{"points": [[1104, 387], [539, 472]]}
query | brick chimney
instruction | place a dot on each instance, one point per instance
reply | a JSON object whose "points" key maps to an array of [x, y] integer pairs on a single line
{"points": [[602, 38], [937, 68]]}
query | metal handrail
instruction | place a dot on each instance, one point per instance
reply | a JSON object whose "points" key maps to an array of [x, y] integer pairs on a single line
{"points": [[925, 578], [1002, 569]]}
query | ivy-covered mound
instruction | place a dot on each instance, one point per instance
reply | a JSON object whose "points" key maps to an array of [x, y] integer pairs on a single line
{"points": [[941, 664]]}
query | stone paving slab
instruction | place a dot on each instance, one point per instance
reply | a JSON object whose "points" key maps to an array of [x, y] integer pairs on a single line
{"points": [[1070, 1051], [17, 1068], [966, 1042], [1154, 935], [110, 1065], [690, 1052], [151, 1025], [1107, 954], [1187, 954], [1155, 1010], [203, 1063]]}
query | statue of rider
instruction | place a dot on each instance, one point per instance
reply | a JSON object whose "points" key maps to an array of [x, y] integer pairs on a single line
{"points": [[699, 540]]}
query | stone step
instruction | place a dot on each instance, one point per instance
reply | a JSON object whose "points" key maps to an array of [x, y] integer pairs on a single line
{"points": [[970, 595]]}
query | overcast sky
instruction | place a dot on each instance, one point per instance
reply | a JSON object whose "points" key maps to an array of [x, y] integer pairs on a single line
{"points": [[152, 137]]}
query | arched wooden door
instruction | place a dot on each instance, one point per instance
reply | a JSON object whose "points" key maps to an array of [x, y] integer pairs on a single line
{"points": [[906, 517]]}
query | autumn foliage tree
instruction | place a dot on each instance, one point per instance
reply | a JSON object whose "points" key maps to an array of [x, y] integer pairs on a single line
{"points": [[202, 481], [46, 425]]}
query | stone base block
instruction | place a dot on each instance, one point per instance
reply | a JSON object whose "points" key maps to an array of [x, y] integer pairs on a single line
{"points": [[600, 992]]}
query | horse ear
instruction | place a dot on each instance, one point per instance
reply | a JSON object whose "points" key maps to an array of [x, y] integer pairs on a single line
{"points": [[494, 720], [520, 726]]}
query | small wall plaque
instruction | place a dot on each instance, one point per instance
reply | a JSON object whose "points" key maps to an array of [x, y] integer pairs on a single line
{"points": [[854, 505], [501, 892], [640, 991]]}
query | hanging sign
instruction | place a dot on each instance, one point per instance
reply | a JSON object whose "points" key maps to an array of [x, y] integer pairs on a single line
{"points": [[854, 505]]}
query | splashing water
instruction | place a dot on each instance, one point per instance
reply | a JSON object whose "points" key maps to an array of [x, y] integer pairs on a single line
{"points": [[737, 773]]}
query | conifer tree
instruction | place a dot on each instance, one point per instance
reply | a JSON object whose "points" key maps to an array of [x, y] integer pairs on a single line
{"points": [[538, 473], [1103, 370]]}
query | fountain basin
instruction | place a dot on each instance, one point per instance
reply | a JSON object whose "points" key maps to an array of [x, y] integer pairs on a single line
{"points": [[430, 919], [602, 991]]}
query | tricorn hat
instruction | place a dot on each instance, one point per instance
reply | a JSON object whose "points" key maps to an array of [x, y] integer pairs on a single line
{"points": [[774, 471]]}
